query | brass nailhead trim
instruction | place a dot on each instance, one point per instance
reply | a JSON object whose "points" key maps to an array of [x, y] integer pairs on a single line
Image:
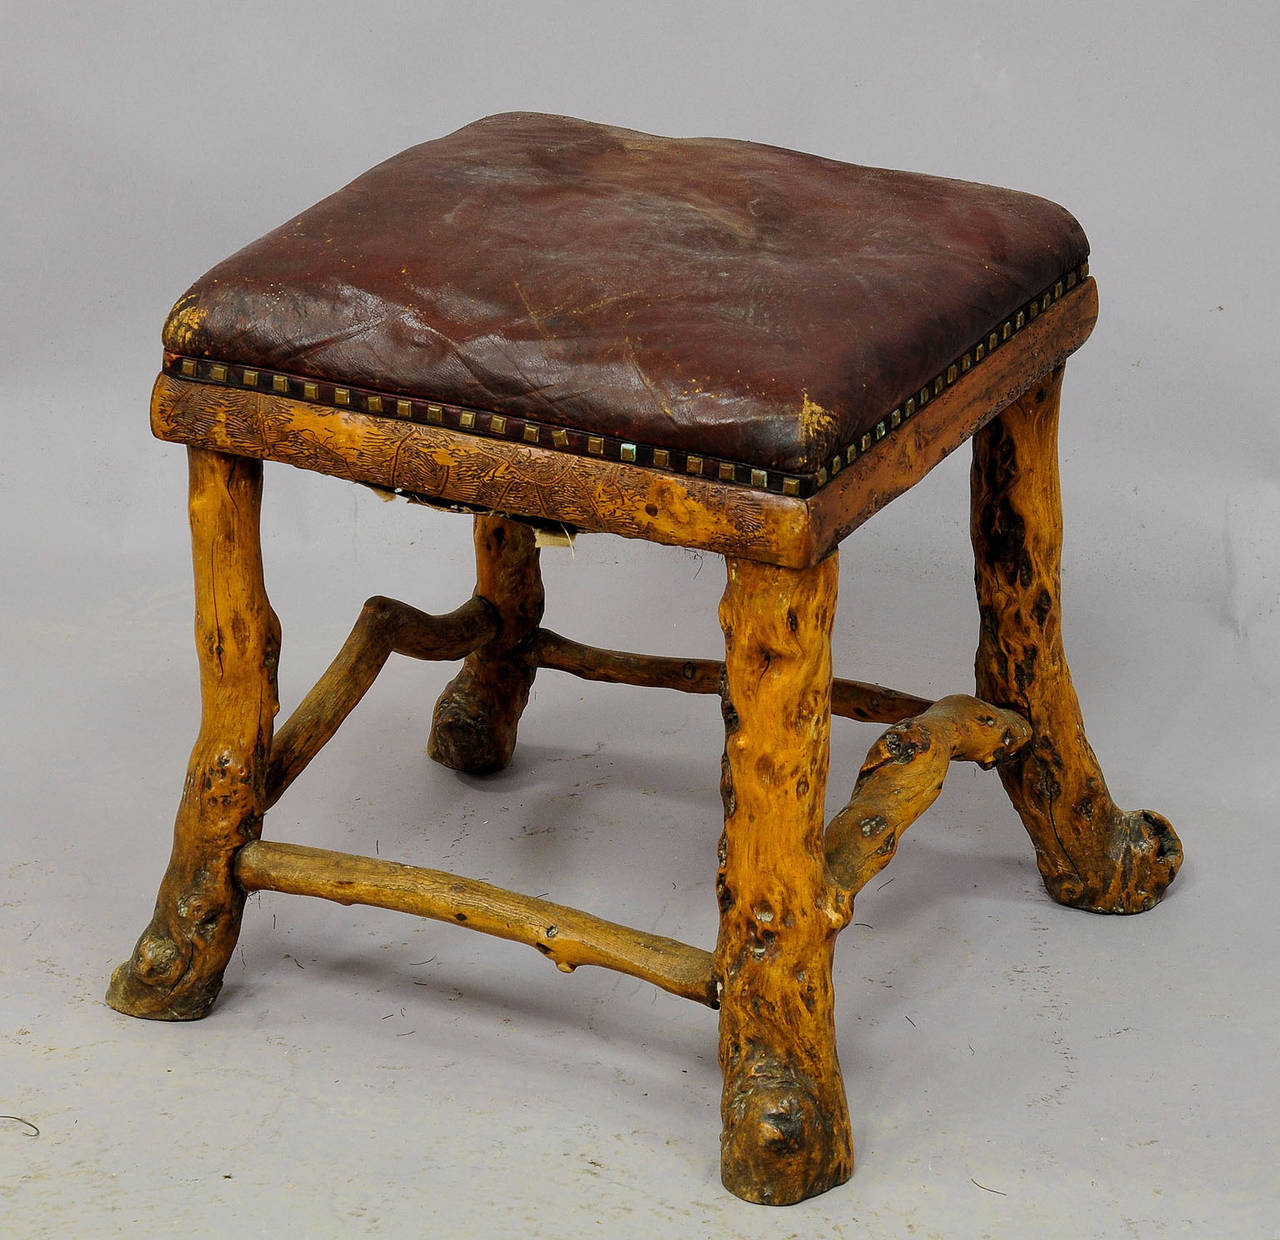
{"points": [[1002, 332], [480, 422]]}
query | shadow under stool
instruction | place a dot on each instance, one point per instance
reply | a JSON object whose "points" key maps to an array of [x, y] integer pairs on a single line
{"points": [[705, 343]]}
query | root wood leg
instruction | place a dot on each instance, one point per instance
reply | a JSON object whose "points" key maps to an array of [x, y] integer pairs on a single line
{"points": [[786, 1122], [474, 725], [175, 972], [1091, 854]]}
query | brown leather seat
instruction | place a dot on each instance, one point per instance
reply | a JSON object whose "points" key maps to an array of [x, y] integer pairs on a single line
{"points": [[607, 292]]}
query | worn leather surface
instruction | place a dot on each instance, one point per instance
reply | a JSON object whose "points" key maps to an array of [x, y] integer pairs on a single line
{"points": [[699, 294]]}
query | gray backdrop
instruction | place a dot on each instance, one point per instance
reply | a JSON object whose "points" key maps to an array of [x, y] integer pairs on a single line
{"points": [[1014, 1069]]}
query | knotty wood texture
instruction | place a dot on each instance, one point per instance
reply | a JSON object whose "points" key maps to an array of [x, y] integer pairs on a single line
{"points": [[473, 727], [385, 627], [903, 776], [1091, 854], [786, 1123], [175, 972], [508, 477], [850, 699], [566, 936]]}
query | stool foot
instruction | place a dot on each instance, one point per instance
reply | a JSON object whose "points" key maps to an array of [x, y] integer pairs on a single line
{"points": [[786, 1121], [176, 968], [473, 727], [783, 1140], [1091, 854], [163, 981], [1137, 855]]}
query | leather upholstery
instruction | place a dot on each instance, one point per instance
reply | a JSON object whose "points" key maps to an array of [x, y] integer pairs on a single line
{"points": [[703, 295]]}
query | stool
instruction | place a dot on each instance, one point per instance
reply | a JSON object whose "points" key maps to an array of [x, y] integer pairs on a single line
{"points": [[704, 343]]}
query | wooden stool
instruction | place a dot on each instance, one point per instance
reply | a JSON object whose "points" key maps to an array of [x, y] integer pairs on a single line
{"points": [[704, 343]]}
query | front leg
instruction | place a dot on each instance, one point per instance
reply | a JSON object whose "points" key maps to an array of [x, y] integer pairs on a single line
{"points": [[1091, 854], [175, 972], [786, 1122]]}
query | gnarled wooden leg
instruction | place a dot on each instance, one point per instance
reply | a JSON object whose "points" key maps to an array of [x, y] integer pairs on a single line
{"points": [[1091, 854], [175, 972], [474, 725], [786, 1122]]}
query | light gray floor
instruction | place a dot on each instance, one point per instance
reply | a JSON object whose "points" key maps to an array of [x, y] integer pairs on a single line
{"points": [[1014, 1069]]}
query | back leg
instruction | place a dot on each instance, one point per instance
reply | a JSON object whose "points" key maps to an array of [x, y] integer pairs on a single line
{"points": [[473, 728], [1091, 854]]}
